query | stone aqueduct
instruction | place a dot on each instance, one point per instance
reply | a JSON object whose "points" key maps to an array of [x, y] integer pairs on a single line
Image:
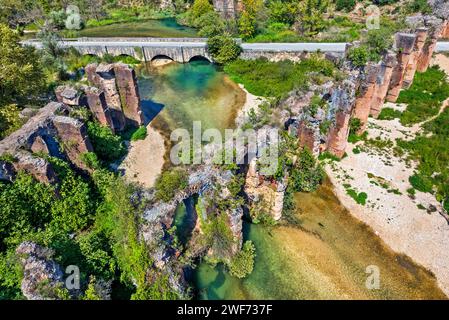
{"points": [[182, 53]]}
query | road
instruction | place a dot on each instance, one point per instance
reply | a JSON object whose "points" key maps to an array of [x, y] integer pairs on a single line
{"points": [[296, 47]]}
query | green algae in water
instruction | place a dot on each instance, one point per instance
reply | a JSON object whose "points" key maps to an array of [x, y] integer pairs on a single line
{"points": [[161, 28], [175, 95], [325, 258]]}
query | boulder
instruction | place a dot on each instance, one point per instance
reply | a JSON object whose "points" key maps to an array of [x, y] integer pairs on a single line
{"points": [[41, 275]]}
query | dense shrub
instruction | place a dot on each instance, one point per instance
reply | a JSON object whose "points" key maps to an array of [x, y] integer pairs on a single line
{"points": [[139, 134], [243, 263], [346, 5], [107, 145], [223, 49], [275, 79], [307, 174], [170, 182], [358, 56]]}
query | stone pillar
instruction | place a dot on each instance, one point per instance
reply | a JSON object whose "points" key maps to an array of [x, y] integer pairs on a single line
{"points": [[421, 37], [383, 83], [39, 168], [97, 104], [129, 94], [445, 31], [104, 78], [338, 134], [309, 136], [366, 94], [429, 47], [404, 44], [73, 135]]}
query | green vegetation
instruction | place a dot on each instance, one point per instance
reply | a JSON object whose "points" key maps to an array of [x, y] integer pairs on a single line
{"points": [[359, 197], [358, 56], [425, 96], [139, 134], [389, 114], [345, 5], [169, 183], [431, 150], [223, 49], [275, 79], [243, 263], [107, 145], [21, 79]]}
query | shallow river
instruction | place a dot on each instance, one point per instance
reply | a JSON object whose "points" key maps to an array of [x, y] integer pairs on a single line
{"points": [[326, 257]]}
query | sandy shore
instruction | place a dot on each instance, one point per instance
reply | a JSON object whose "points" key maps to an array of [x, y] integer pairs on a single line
{"points": [[251, 102], [408, 226], [145, 159]]}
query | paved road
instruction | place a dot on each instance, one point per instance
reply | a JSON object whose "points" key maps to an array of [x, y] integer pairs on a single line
{"points": [[333, 47]]}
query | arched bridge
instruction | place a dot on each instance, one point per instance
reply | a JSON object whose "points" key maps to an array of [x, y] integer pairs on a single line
{"points": [[182, 50]]}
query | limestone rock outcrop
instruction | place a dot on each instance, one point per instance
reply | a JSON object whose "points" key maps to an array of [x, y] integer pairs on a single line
{"points": [[382, 83], [41, 275], [226, 8], [69, 96], [366, 95]]}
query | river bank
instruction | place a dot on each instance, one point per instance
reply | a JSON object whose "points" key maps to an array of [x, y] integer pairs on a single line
{"points": [[325, 257], [411, 225]]}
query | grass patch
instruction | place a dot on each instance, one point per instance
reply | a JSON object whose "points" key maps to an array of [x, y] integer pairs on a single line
{"points": [[425, 96], [275, 79], [359, 197], [389, 114], [139, 134], [431, 150]]}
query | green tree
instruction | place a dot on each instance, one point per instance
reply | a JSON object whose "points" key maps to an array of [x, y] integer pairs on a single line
{"points": [[248, 18], [283, 12], [243, 263], [359, 56], [21, 76], [223, 49], [311, 16], [107, 145], [199, 8], [169, 183]]}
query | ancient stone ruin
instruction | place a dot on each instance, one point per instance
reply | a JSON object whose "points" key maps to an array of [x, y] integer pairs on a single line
{"points": [[114, 101]]}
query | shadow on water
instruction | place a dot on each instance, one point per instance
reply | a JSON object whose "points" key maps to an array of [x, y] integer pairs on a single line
{"points": [[150, 110]]}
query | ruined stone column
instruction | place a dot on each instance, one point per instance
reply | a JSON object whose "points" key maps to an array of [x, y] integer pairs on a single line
{"points": [[366, 94], [309, 136], [73, 135], [338, 134], [129, 93], [342, 101], [104, 78], [383, 83], [97, 104], [404, 44], [429, 47], [69, 96], [421, 37]]}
